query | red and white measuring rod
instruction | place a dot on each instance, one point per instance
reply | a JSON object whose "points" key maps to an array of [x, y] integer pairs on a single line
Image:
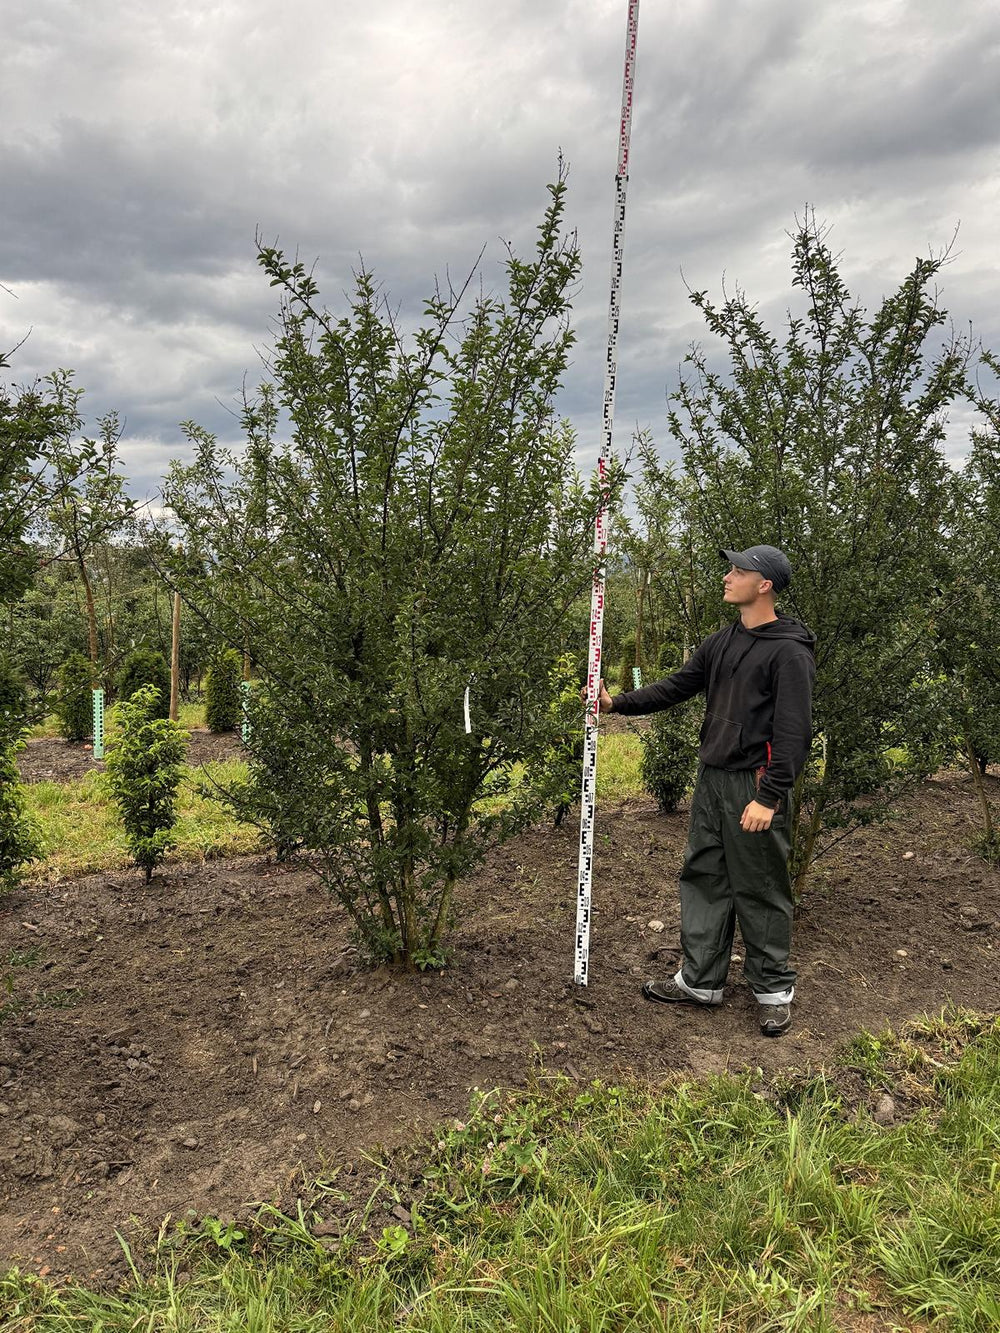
{"points": [[586, 867]]}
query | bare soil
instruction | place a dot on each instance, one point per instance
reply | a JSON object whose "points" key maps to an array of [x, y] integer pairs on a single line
{"points": [[52, 759], [212, 1040]]}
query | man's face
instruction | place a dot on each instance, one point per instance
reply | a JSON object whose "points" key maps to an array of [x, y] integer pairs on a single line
{"points": [[741, 587]]}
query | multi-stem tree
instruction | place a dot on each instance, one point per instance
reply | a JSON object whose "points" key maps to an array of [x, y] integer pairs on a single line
{"points": [[967, 632], [827, 444], [419, 536]]}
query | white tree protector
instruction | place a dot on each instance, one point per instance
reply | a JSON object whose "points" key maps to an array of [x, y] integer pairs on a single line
{"points": [[588, 801]]}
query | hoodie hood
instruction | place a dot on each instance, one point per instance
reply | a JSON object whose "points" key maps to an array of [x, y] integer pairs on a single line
{"points": [[740, 641], [785, 627]]}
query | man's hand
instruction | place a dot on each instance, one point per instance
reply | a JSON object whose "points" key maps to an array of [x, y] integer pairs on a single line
{"points": [[756, 818], [603, 699]]}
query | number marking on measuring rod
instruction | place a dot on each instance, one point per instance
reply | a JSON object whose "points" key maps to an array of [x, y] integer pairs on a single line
{"points": [[587, 804]]}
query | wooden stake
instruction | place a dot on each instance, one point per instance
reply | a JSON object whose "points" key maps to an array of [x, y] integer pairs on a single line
{"points": [[175, 655]]}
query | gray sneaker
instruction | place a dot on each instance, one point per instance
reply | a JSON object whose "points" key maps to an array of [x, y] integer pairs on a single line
{"points": [[775, 1019], [668, 992]]}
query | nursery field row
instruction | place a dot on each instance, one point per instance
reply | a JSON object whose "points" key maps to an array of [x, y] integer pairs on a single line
{"points": [[82, 833]]}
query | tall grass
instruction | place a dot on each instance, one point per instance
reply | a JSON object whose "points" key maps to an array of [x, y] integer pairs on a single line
{"points": [[717, 1205]]}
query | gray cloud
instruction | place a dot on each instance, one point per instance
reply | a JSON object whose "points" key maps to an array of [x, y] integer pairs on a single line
{"points": [[142, 146]]}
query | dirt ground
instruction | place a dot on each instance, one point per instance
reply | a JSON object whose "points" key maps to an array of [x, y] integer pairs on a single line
{"points": [[56, 760], [211, 1041]]}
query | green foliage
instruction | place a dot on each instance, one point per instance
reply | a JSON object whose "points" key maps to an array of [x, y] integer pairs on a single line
{"points": [[20, 840], [670, 754], [828, 445], [144, 767], [564, 760], [223, 691], [75, 703], [145, 666], [83, 833], [625, 678], [670, 746], [967, 630], [32, 421], [270, 797], [421, 533], [45, 628], [132, 607], [13, 702], [88, 507]]}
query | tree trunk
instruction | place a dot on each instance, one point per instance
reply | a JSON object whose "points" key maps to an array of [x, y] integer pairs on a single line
{"points": [[803, 859], [638, 621], [91, 610], [377, 836], [441, 920], [977, 778], [175, 648]]}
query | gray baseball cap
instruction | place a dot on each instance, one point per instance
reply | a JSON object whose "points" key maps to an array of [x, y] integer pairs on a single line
{"points": [[766, 560]]}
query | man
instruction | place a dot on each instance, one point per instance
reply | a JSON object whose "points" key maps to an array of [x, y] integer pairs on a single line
{"points": [[757, 675]]}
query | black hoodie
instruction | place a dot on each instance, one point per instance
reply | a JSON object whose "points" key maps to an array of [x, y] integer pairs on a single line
{"points": [[758, 686]]}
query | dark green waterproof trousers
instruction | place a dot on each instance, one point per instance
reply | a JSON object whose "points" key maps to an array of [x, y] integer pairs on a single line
{"points": [[730, 876]]}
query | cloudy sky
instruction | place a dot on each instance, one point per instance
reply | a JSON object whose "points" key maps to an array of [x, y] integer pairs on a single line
{"points": [[143, 143]]}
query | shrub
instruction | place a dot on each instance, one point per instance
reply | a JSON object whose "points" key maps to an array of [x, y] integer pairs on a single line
{"points": [[419, 533], [670, 747], [626, 680], [13, 701], [565, 759], [145, 766], [20, 839], [223, 692], [670, 755], [75, 704], [145, 666]]}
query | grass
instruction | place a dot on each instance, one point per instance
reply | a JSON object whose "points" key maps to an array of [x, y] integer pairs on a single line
{"points": [[618, 773], [723, 1204], [619, 760], [82, 832]]}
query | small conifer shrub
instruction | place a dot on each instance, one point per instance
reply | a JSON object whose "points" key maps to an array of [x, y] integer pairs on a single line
{"points": [[670, 746], [144, 766], [145, 666], [223, 692], [75, 703]]}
